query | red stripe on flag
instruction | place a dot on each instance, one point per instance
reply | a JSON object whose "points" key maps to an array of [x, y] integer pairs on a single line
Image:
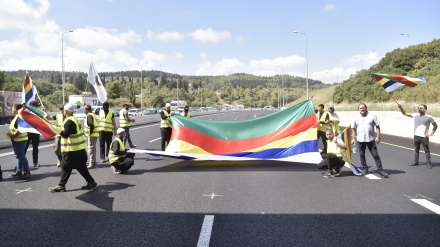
{"points": [[38, 123], [404, 80], [216, 146]]}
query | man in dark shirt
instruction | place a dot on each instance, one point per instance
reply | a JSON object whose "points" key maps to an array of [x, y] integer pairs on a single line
{"points": [[73, 149]]}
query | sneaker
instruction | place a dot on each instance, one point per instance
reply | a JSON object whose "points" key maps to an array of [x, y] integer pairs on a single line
{"points": [[58, 188], [429, 165], [383, 174], [338, 171], [133, 146], [15, 175], [91, 166], [364, 172], [414, 164], [89, 185], [328, 175], [116, 171], [59, 163], [26, 176], [36, 164], [102, 160]]}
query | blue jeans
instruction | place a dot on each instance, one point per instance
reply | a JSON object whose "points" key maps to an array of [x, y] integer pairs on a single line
{"points": [[127, 136], [373, 150], [20, 154]]}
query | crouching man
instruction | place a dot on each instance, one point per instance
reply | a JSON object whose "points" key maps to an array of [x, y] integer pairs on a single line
{"points": [[120, 160]]}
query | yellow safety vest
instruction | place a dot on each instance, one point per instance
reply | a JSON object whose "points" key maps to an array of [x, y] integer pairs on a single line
{"points": [[87, 128], [335, 124], [112, 157], [122, 122], [59, 122], [74, 142], [187, 115], [322, 127], [167, 122], [333, 148], [105, 123], [20, 137]]}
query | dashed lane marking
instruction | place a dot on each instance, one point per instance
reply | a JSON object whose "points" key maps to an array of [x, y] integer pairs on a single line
{"points": [[394, 145], [371, 176], [213, 195], [205, 233], [427, 204], [26, 190]]}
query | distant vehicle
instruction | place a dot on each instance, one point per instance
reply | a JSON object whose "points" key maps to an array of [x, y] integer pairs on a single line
{"points": [[81, 100], [179, 109], [7, 100], [149, 111], [135, 112], [116, 111], [81, 114]]}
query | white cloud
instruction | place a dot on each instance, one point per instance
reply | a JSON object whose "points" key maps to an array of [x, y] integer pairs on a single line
{"points": [[241, 38], [96, 37], [210, 35], [178, 55], [285, 64], [165, 36], [18, 14], [203, 56], [361, 61], [152, 56], [224, 67], [329, 7]]}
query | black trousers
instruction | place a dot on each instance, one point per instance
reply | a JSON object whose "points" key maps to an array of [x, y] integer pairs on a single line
{"points": [[165, 133], [105, 139], [321, 134], [74, 160], [124, 164], [425, 143], [35, 139]]}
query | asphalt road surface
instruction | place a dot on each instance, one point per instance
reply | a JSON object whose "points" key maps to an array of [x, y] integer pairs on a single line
{"points": [[170, 202]]}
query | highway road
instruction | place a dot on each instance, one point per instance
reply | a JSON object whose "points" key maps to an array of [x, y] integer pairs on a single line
{"points": [[170, 202]]}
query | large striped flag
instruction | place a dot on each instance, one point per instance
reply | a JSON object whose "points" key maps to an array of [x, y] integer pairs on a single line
{"points": [[29, 90], [95, 80], [345, 137], [287, 135], [33, 120], [392, 82]]}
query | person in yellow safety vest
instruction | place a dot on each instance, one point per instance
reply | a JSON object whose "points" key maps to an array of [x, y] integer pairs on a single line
{"points": [[323, 121], [334, 120], [125, 123], [19, 141], [120, 160], [73, 149], [336, 154], [59, 120], [166, 125], [107, 128], [92, 134], [185, 112]]}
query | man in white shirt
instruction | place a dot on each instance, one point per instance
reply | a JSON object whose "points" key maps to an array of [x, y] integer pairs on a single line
{"points": [[421, 132], [363, 134]]}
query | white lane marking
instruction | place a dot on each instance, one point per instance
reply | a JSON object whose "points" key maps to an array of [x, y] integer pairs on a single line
{"points": [[371, 176], [205, 233], [408, 196], [427, 204], [156, 139], [11, 153], [394, 145], [20, 191], [212, 195], [425, 197]]}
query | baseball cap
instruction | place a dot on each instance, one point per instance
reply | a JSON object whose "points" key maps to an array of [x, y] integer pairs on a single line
{"points": [[167, 105], [70, 107], [120, 130]]}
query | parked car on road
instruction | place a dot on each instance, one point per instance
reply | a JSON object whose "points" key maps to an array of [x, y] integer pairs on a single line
{"points": [[135, 112], [116, 112], [149, 111], [81, 113]]}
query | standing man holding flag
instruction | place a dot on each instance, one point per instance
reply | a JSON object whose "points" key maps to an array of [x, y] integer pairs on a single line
{"points": [[421, 132]]}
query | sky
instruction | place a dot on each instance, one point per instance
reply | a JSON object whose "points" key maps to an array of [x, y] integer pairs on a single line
{"points": [[195, 37]]}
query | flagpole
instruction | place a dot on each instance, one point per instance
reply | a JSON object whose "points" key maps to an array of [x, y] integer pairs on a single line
{"points": [[40, 100]]}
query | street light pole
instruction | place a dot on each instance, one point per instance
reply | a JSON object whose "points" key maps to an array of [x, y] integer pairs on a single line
{"points": [[406, 35], [282, 83], [307, 62], [142, 79], [62, 63]]}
